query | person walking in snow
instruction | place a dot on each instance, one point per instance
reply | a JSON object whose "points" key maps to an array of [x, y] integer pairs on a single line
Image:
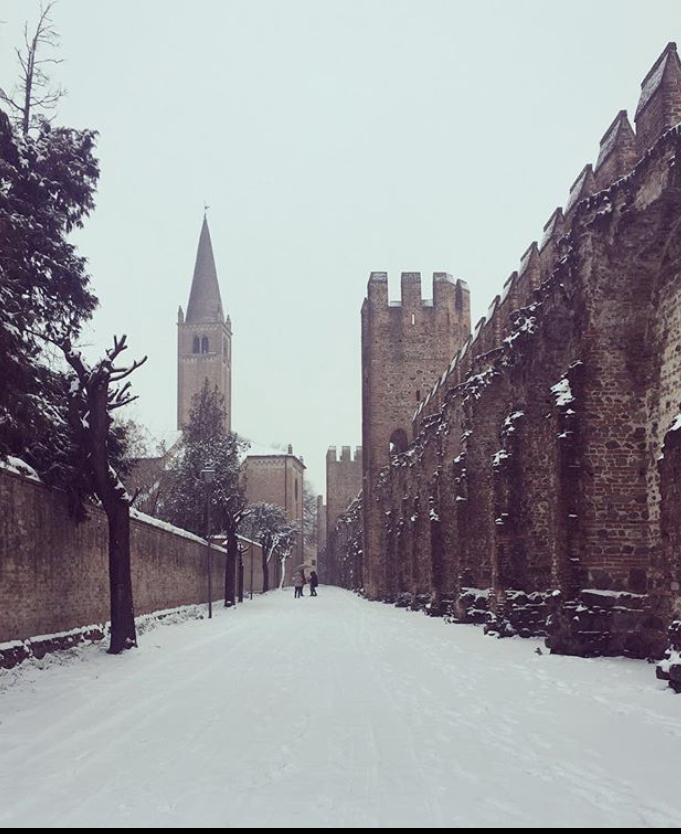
{"points": [[314, 581], [298, 583]]}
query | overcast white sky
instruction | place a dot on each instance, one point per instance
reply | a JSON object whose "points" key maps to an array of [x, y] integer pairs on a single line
{"points": [[330, 138]]}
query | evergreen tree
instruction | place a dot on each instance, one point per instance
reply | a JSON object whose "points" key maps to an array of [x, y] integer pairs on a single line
{"points": [[47, 185], [207, 444]]}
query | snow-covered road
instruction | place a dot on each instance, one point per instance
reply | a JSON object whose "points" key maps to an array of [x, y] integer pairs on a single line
{"points": [[336, 712]]}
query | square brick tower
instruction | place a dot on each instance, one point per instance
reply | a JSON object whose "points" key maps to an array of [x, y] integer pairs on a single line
{"points": [[343, 482], [204, 337], [406, 345]]}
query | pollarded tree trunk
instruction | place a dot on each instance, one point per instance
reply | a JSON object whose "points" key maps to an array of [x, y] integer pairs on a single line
{"points": [[116, 504], [123, 634], [90, 414], [265, 573], [241, 576], [266, 548]]}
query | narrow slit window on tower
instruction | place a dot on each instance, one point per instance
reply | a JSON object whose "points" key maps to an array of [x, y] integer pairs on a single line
{"points": [[413, 318], [204, 344], [197, 344]]}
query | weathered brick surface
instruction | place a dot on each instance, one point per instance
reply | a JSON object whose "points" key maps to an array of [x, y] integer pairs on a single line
{"points": [[343, 554], [343, 481], [405, 347], [54, 573], [540, 492]]}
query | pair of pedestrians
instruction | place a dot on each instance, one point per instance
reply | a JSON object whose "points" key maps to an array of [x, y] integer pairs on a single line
{"points": [[299, 582]]}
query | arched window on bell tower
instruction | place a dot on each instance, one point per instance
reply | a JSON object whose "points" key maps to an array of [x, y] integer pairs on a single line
{"points": [[197, 344], [204, 344]]}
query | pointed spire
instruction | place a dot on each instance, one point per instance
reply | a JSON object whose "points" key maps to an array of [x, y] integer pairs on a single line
{"points": [[205, 303]]}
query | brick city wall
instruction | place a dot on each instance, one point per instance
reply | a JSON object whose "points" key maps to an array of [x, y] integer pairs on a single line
{"points": [[54, 574], [540, 492]]}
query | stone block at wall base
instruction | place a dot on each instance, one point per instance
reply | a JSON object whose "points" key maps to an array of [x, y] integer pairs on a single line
{"points": [[17, 651], [606, 624], [471, 607], [520, 614]]}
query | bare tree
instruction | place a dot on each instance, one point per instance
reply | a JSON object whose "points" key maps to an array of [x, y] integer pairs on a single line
{"points": [[267, 525], [34, 91], [94, 397]]}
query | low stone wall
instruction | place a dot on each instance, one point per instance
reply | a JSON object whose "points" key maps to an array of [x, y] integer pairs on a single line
{"points": [[54, 575]]}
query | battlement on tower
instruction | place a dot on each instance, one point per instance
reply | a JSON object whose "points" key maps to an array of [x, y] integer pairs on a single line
{"points": [[447, 293], [346, 454], [343, 481]]}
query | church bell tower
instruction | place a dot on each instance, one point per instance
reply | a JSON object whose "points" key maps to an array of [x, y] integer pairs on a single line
{"points": [[204, 337]]}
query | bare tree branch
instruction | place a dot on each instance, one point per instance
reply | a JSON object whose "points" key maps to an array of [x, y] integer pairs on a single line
{"points": [[33, 91]]}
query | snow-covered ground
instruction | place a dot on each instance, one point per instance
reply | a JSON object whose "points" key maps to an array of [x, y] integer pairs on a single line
{"points": [[336, 712]]}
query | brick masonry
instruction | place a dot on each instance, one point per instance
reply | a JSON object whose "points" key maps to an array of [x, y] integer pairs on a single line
{"points": [[539, 490], [54, 573], [279, 479]]}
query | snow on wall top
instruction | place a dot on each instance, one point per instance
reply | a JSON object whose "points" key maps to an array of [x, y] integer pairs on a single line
{"points": [[257, 450], [19, 467], [164, 525]]}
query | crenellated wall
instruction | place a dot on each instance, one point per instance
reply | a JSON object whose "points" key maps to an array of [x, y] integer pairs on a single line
{"points": [[539, 493]]}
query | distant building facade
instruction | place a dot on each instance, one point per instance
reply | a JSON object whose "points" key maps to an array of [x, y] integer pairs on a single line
{"points": [[278, 479]]}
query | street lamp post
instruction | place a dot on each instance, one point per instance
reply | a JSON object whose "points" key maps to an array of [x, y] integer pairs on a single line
{"points": [[208, 476], [250, 548], [242, 550]]}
